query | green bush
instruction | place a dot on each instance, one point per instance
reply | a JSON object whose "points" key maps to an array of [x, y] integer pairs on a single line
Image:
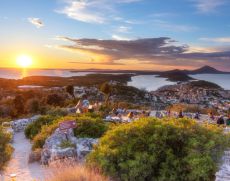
{"points": [[91, 127], [166, 149], [34, 128], [57, 111], [5, 148]]}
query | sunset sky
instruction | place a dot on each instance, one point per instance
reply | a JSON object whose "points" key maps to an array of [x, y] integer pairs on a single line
{"points": [[116, 34]]}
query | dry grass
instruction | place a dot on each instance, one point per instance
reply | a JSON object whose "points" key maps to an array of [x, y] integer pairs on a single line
{"points": [[76, 173]]}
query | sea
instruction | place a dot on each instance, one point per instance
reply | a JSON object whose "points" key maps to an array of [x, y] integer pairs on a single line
{"points": [[147, 82], [152, 82]]}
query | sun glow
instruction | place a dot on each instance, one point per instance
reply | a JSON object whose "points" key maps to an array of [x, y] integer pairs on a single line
{"points": [[24, 61]]}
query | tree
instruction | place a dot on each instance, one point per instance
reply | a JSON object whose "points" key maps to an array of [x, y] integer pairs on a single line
{"points": [[32, 106], [54, 99], [19, 104], [70, 90], [107, 90]]}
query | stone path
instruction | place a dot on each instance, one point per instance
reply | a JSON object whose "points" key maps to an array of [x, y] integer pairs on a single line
{"points": [[19, 165]]}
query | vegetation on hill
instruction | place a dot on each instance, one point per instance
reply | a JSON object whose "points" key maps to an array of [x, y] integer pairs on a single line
{"points": [[166, 149], [5, 148]]}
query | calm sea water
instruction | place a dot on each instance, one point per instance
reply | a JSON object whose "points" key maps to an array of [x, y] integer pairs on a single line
{"points": [[222, 80], [148, 82], [18, 73], [152, 82]]}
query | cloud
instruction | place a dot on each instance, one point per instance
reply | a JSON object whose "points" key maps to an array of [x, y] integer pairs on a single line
{"points": [[118, 37], [123, 29], [156, 51], [91, 11], [36, 22], [207, 6], [217, 40]]}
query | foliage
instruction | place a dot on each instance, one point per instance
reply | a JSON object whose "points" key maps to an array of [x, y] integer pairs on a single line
{"points": [[19, 104], [67, 144], [5, 148], [33, 106], [70, 90], [57, 111], [54, 100], [106, 89], [90, 127], [166, 149], [35, 127]]}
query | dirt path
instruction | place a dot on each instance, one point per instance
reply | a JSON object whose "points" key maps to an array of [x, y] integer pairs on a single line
{"points": [[19, 165]]}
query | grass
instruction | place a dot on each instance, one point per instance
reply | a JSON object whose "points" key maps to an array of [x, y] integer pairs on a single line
{"points": [[76, 173]]}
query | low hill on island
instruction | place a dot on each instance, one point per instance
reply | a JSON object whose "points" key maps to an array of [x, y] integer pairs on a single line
{"points": [[176, 76], [205, 70]]}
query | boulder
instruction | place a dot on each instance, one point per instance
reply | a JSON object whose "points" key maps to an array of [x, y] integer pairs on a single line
{"points": [[84, 146], [52, 151], [20, 124], [224, 171]]}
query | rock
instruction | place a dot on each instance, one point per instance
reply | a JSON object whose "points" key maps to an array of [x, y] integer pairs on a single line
{"points": [[84, 146], [224, 171], [64, 153], [52, 150], [20, 124]]}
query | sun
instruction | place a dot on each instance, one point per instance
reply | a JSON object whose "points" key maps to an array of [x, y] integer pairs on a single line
{"points": [[24, 61]]}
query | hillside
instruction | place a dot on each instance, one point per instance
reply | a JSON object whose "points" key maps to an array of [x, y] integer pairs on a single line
{"points": [[205, 70]]}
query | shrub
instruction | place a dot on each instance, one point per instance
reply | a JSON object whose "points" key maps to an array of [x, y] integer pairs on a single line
{"points": [[5, 148], [57, 111], [154, 149], [90, 127], [35, 127], [33, 106]]}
